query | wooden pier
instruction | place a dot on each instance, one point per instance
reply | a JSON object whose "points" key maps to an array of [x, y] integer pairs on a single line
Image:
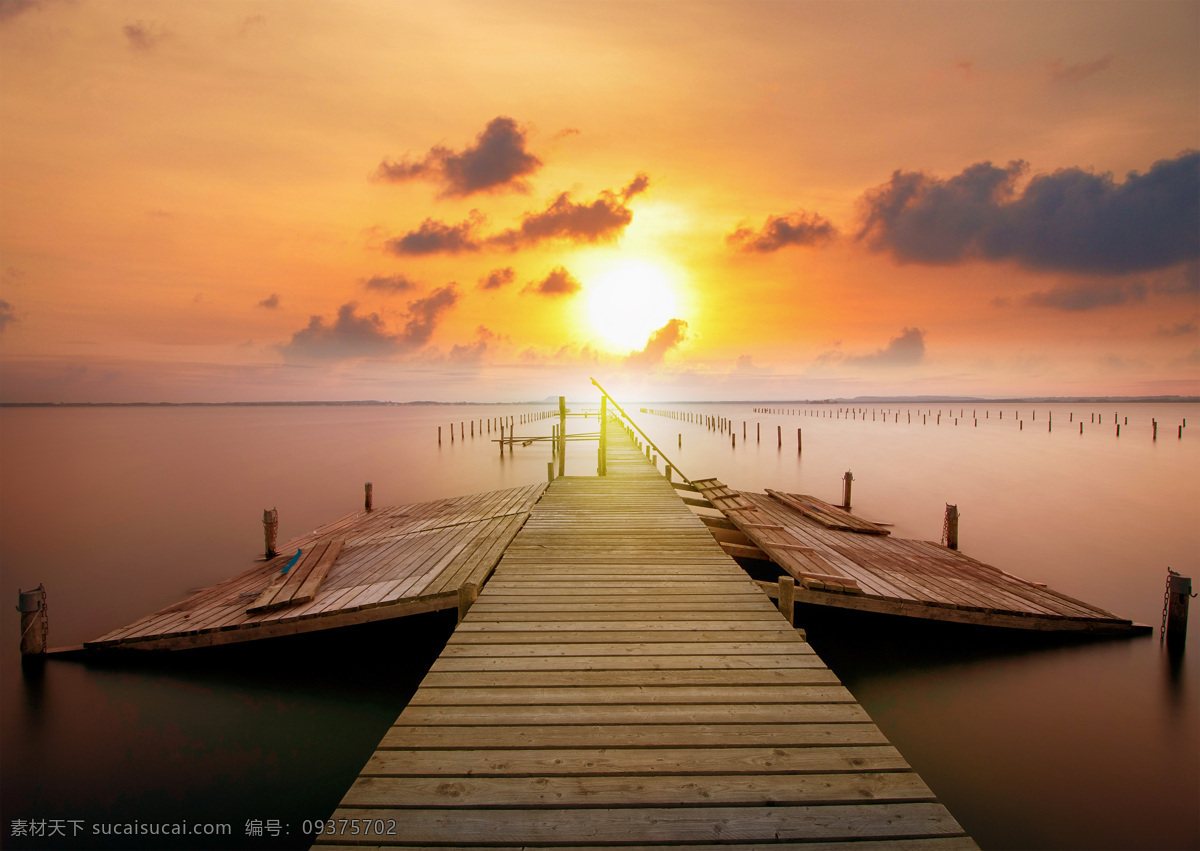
{"points": [[842, 561], [368, 566], [621, 682]]}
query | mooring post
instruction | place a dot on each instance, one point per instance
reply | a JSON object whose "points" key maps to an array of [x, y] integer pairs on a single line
{"points": [[270, 530], [549, 471], [34, 624], [501, 440], [467, 594], [787, 598], [562, 434], [368, 495], [668, 472], [846, 480], [1179, 591], [799, 442], [779, 434], [439, 435], [951, 533]]}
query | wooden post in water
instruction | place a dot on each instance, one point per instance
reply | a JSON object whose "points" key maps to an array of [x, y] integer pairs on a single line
{"points": [[270, 530], [668, 472], [467, 594], [799, 442], [501, 440], [1155, 424], [779, 434], [787, 598], [549, 471], [952, 526], [34, 623], [368, 495], [439, 435], [1179, 591], [846, 480]]}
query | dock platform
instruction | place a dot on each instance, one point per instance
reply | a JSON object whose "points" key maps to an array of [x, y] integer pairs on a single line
{"points": [[842, 561], [368, 566], [620, 681]]}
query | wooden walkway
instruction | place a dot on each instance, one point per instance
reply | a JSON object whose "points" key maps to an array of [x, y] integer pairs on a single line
{"points": [[839, 560], [621, 682], [368, 566]]}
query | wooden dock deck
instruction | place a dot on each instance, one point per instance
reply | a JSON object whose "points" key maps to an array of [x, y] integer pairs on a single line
{"points": [[621, 682], [368, 566], [842, 561]]}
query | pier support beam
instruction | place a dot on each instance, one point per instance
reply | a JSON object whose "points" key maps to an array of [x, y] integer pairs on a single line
{"points": [[846, 480], [467, 594], [787, 598], [34, 625], [950, 535], [368, 496]]}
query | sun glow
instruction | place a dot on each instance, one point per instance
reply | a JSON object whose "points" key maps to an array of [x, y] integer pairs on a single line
{"points": [[628, 302]]}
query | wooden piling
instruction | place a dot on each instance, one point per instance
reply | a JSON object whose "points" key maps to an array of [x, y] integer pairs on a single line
{"points": [[34, 623], [787, 598], [603, 471], [439, 435], [270, 530], [846, 480], [562, 435], [467, 594], [799, 442], [368, 495], [952, 526], [1179, 592], [549, 471], [779, 434]]}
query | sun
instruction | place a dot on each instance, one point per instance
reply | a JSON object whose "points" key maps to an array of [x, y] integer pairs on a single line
{"points": [[629, 301]]}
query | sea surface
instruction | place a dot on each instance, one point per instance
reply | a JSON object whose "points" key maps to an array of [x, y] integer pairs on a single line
{"points": [[1031, 742]]}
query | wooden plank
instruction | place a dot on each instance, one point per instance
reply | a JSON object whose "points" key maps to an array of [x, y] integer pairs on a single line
{"points": [[316, 576]]}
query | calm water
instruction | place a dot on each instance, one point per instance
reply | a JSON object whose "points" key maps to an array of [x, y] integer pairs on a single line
{"points": [[1031, 743]]}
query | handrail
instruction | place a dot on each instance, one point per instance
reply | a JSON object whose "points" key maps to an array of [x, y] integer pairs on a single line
{"points": [[661, 454]]}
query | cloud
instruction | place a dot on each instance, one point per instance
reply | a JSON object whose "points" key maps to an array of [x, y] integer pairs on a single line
{"points": [[1081, 297], [475, 352], [906, 350], [270, 302], [11, 8], [497, 278], [1071, 221], [1180, 329], [599, 221], [390, 283], [7, 314], [661, 341], [434, 237], [558, 282], [498, 160], [1061, 73], [144, 36], [799, 228], [745, 366], [352, 336]]}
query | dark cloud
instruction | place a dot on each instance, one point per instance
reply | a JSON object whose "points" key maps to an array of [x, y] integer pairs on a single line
{"points": [[1072, 220], [1180, 329], [390, 283], [498, 160], [434, 237], [270, 302], [424, 314], [475, 352], [7, 314], [497, 278], [661, 341], [558, 282], [1083, 297], [143, 36], [906, 350], [600, 221], [12, 8], [780, 231], [1061, 73], [353, 336]]}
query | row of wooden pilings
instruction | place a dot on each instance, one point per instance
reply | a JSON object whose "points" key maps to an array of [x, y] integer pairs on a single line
{"points": [[499, 423], [724, 424]]}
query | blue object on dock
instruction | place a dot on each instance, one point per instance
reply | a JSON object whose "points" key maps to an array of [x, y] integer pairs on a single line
{"points": [[288, 566]]}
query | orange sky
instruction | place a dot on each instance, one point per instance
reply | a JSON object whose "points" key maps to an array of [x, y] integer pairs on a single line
{"points": [[211, 201]]}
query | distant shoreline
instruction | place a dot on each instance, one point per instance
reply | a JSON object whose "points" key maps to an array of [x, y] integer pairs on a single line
{"points": [[858, 400]]}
